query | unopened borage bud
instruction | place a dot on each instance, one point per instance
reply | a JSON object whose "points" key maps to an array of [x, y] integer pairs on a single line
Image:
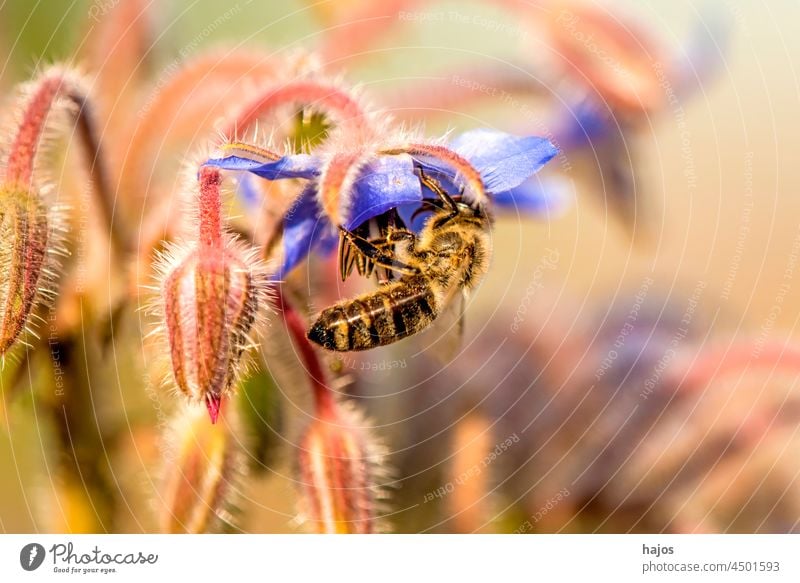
{"points": [[211, 295], [24, 235], [211, 300], [338, 464], [29, 225]]}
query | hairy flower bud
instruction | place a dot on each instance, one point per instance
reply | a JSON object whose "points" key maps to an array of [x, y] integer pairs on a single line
{"points": [[202, 466], [27, 221], [24, 235], [337, 464], [211, 300], [211, 294]]}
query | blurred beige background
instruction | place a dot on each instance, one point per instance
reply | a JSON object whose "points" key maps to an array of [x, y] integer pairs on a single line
{"points": [[738, 231]]}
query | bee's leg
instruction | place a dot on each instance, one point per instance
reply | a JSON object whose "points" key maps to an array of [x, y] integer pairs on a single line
{"points": [[395, 236], [447, 200], [377, 255], [347, 259], [427, 204], [376, 229], [350, 258], [395, 222]]}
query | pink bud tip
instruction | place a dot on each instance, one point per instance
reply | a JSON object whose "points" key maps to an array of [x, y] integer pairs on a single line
{"points": [[213, 404]]}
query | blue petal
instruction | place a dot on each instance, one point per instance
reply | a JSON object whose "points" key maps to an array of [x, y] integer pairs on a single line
{"points": [[537, 196], [504, 161], [385, 183], [304, 229], [294, 166], [407, 212], [248, 193]]}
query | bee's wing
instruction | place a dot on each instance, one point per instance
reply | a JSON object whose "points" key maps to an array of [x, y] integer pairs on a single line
{"points": [[443, 338]]}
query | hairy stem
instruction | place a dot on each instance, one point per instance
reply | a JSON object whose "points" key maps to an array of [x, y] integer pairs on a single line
{"points": [[323, 395], [325, 97], [210, 207], [22, 156]]}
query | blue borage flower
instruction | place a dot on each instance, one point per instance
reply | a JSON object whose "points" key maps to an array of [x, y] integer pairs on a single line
{"points": [[503, 162]]}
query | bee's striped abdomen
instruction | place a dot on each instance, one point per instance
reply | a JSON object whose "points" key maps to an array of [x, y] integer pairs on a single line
{"points": [[393, 312]]}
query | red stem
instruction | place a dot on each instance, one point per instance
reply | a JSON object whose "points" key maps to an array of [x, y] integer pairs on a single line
{"points": [[210, 207], [22, 154], [185, 102], [326, 97], [26, 142], [323, 395]]}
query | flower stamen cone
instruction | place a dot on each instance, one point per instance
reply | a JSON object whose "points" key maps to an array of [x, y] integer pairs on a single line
{"points": [[211, 294]]}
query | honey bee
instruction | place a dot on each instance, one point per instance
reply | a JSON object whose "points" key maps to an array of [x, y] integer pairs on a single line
{"points": [[429, 272]]}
